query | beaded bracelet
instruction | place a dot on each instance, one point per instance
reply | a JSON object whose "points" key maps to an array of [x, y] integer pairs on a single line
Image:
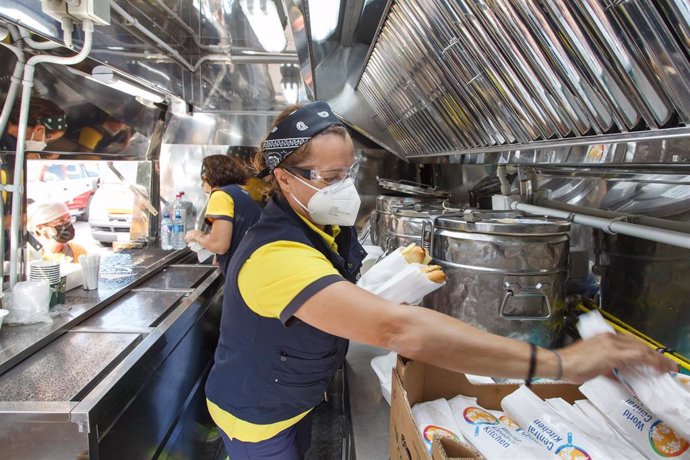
{"points": [[532, 364]]}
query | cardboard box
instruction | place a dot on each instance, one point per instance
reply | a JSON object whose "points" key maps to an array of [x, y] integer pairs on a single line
{"points": [[415, 382], [448, 449]]}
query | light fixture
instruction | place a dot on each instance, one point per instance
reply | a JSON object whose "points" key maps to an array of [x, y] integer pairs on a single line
{"points": [[323, 18], [290, 82], [105, 75], [264, 20]]}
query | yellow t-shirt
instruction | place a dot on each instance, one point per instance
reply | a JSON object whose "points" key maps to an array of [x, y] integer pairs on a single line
{"points": [[268, 282], [220, 206]]}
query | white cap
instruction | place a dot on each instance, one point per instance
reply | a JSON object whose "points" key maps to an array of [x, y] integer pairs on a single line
{"points": [[44, 212]]}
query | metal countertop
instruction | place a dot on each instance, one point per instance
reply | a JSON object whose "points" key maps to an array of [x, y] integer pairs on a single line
{"points": [[117, 271]]}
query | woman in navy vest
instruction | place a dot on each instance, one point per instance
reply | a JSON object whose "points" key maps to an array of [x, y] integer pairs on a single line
{"points": [[230, 210], [290, 304]]}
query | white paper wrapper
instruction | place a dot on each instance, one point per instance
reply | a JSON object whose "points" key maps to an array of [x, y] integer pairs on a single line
{"points": [[682, 380], [492, 432], [599, 429], [659, 392], [398, 281], [434, 418], [558, 436], [201, 253], [634, 420]]}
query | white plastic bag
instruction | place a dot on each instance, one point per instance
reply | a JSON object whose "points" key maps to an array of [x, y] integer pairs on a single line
{"points": [[552, 432], [383, 368], [28, 302], [659, 392], [394, 279], [492, 433], [634, 420], [434, 418]]}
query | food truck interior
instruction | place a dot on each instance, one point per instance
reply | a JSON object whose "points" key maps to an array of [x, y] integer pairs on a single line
{"points": [[570, 118]]}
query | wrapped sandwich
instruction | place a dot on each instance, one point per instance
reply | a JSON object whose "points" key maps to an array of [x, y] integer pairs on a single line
{"points": [[404, 276]]}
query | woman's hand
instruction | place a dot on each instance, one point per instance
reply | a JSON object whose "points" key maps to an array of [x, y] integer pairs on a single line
{"points": [[605, 352], [193, 235]]}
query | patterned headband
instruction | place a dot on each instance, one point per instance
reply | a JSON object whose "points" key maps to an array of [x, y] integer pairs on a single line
{"points": [[294, 131], [53, 123]]}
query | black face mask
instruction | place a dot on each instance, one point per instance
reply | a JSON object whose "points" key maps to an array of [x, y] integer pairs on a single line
{"points": [[63, 233]]}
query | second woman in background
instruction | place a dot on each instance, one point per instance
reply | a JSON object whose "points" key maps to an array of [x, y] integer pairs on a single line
{"points": [[230, 210]]}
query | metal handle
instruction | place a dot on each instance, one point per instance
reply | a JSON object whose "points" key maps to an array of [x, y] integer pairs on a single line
{"points": [[515, 290], [427, 235]]}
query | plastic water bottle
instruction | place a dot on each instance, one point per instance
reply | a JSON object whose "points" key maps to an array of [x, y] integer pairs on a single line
{"points": [[166, 232], [190, 212], [178, 231], [178, 205]]}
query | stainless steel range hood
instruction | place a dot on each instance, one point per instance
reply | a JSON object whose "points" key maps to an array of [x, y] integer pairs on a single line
{"points": [[445, 77]]}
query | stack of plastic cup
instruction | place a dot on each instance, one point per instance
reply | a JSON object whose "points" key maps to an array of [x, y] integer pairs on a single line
{"points": [[90, 266]]}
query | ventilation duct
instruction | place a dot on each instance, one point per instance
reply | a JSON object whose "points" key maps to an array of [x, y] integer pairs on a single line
{"points": [[469, 75]]}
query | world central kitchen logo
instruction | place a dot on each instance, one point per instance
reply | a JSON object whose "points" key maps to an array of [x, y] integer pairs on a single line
{"points": [[662, 438], [568, 451]]}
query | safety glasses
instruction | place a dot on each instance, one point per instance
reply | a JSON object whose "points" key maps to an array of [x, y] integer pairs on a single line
{"points": [[327, 176]]}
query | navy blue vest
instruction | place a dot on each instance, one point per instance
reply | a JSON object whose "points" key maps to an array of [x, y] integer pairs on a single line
{"points": [[247, 213], [265, 372]]}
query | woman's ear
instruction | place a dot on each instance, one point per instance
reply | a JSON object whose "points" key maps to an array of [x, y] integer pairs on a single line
{"points": [[282, 178], [39, 133]]}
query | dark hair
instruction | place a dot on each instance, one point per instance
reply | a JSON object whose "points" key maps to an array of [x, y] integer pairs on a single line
{"points": [[38, 108], [295, 157], [221, 170]]}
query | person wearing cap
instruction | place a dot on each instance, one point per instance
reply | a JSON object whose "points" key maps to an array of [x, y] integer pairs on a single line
{"points": [[230, 210], [51, 224], [290, 304], [47, 122]]}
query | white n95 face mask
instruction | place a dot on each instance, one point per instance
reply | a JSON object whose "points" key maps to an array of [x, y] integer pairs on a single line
{"points": [[336, 204], [35, 146]]}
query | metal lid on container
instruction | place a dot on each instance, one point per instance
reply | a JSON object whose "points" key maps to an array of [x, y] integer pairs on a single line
{"points": [[423, 210], [387, 203], [413, 188], [501, 222]]}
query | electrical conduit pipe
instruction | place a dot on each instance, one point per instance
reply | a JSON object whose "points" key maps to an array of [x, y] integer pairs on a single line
{"points": [[609, 225], [134, 22], [28, 83], [15, 81]]}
